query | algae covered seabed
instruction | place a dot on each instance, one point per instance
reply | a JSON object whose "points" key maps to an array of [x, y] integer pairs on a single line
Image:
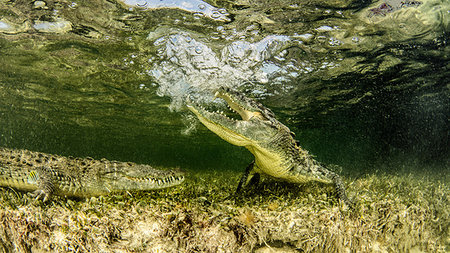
{"points": [[394, 213]]}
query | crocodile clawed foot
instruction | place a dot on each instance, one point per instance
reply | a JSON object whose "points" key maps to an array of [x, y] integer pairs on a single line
{"points": [[349, 203], [40, 194]]}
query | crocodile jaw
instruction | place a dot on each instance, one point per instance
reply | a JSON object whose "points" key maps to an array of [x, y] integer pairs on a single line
{"points": [[140, 177], [227, 129], [232, 103], [148, 183]]}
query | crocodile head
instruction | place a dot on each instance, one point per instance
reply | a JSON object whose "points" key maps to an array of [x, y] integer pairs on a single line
{"points": [[257, 125], [270, 141], [136, 177]]}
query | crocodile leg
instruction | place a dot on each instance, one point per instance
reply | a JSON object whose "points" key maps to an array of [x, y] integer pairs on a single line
{"points": [[254, 178], [44, 178]]}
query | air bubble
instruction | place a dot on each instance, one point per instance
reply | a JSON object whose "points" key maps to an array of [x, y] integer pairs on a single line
{"points": [[324, 28], [198, 15], [159, 41], [198, 49], [215, 36], [141, 3], [334, 42], [174, 40], [160, 93], [4, 25], [250, 27], [201, 6], [73, 5], [39, 4], [215, 15], [321, 39]]}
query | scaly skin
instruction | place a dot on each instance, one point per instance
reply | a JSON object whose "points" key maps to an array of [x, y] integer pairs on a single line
{"points": [[47, 174], [277, 153]]}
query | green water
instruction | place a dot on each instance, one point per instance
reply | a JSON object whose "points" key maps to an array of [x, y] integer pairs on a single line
{"points": [[108, 78]]}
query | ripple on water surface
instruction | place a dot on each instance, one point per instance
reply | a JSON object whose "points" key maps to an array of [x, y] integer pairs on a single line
{"points": [[198, 7]]}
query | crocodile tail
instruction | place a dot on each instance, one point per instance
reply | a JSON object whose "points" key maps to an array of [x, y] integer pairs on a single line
{"points": [[339, 186], [340, 190]]}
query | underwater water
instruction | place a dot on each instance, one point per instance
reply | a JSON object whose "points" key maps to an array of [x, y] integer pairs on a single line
{"points": [[364, 85], [109, 78]]}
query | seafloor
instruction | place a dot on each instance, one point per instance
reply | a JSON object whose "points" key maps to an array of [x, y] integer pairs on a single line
{"points": [[394, 213]]}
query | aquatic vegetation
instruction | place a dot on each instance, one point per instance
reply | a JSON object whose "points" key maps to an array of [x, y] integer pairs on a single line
{"points": [[394, 213]]}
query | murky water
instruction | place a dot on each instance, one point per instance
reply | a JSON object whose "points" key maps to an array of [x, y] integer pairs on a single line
{"points": [[358, 82]]}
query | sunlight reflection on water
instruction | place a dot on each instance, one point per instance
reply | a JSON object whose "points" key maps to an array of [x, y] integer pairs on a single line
{"points": [[197, 7]]}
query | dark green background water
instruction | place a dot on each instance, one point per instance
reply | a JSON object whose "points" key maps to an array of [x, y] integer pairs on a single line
{"points": [[362, 91]]}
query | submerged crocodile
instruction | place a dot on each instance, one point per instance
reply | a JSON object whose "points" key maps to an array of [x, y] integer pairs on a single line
{"points": [[47, 174], [277, 153]]}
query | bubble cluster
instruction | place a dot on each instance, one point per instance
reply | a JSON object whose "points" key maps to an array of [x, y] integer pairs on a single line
{"points": [[59, 26], [188, 66], [4, 26]]}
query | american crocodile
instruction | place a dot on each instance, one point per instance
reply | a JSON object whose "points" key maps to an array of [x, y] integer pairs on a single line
{"points": [[47, 174], [277, 153]]}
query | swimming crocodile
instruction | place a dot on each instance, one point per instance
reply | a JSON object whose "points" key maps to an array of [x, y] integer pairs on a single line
{"points": [[277, 154], [47, 174]]}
